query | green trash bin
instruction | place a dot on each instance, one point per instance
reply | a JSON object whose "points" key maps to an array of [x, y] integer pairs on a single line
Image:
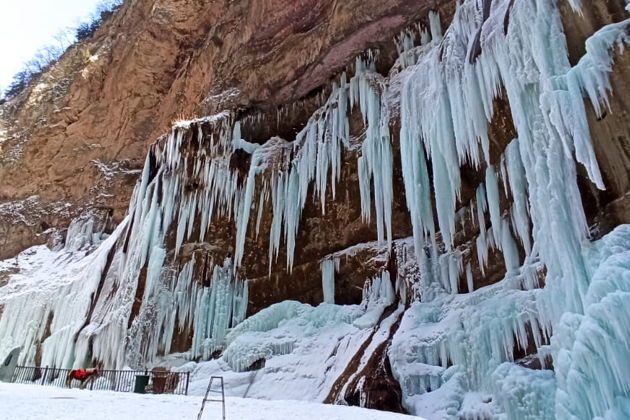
{"points": [[141, 383]]}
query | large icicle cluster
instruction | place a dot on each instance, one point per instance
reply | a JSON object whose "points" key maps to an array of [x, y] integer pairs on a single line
{"points": [[447, 103], [591, 349], [130, 303]]}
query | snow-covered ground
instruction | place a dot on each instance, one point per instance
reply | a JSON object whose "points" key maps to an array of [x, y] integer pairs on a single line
{"points": [[32, 402]]}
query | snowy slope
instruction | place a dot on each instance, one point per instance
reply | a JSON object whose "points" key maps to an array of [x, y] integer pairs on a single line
{"points": [[30, 402]]}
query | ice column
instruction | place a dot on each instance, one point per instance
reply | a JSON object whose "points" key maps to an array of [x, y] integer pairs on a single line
{"points": [[329, 268]]}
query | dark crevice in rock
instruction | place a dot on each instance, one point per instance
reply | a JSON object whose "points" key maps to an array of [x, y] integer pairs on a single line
{"points": [[528, 357], [47, 332], [137, 301], [95, 296], [373, 386]]}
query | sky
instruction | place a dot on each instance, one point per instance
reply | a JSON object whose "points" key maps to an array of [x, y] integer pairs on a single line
{"points": [[27, 25]]}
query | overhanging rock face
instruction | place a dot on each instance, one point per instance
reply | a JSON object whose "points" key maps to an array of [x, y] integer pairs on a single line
{"points": [[440, 208]]}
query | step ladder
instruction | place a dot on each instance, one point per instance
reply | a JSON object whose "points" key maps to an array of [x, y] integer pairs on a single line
{"points": [[213, 391]]}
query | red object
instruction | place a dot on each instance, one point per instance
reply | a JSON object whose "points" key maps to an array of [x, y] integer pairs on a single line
{"points": [[79, 374]]}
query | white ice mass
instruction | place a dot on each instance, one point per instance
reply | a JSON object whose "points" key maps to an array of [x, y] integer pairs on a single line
{"points": [[121, 300]]}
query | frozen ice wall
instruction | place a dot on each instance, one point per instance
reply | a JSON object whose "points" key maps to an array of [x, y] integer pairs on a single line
{"points": [[453, 347], [124, 301], [46, 304], [144, 298]]}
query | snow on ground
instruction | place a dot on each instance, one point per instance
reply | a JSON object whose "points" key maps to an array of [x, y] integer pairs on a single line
{"points": [[32, 402]]}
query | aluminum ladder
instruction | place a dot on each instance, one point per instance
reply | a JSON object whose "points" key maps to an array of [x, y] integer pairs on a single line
{"points": [[213, 391]]}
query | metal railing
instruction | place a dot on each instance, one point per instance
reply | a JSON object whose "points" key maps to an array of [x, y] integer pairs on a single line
{"points": [[159, 382]]}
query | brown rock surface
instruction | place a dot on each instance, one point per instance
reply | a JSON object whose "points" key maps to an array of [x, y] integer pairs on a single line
{"points": [[610, 131]]}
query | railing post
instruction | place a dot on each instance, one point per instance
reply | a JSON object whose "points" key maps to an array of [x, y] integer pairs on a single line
{"points": [[187, 381], [44, 375], [16, 374]]}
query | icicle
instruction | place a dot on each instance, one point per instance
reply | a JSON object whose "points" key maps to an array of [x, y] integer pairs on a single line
{"points": [[329, 268], [494, 204], [469, 278], [376, 161], [435, 25]]}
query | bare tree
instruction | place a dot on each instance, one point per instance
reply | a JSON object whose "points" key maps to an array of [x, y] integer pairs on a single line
{"points": [[44, 57], [64, 38]]}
